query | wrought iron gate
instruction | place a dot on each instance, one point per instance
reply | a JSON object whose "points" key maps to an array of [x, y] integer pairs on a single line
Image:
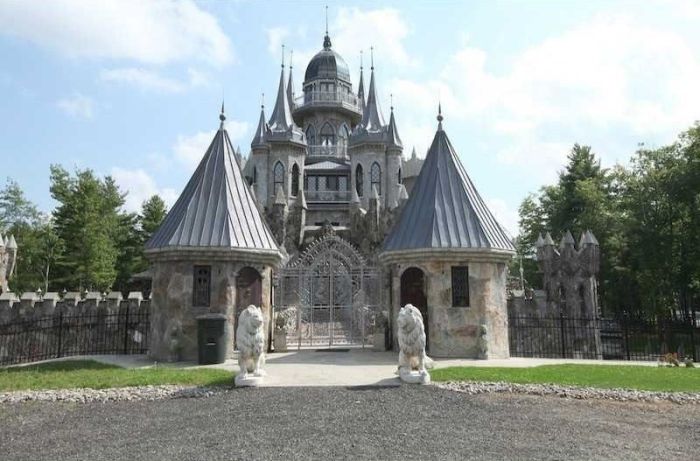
{"points": [[328, 296]]}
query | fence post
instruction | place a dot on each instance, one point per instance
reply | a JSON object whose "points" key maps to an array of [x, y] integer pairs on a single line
{"points": [[126, 329], [563, 335], [625, 332], [60, 335], [692, 339]]}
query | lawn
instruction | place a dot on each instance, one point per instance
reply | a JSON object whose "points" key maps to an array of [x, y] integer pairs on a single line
{"points": [[603, 376], [96, 375]]}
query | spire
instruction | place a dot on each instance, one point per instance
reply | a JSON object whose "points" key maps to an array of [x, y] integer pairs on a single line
{"points": [[327, 39], [290, 83], [439, 116], [392, 133], [413, 154], [301, 199], [261, 130], [372, 118], [403, 194], [548, 240], [281, 119], [361, 88], [11, 243], [222, 116], [567, 240], [354, 199]]}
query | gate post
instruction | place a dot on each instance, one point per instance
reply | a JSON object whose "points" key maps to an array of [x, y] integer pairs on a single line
{"points": [[126, 329], [563, 335]]}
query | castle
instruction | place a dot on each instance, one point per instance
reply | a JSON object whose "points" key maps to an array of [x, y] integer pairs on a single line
{"points": [[329, 230], [8, 259]]}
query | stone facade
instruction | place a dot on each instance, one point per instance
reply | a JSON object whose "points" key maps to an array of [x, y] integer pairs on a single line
{"points": [[173, 320], [455, 331]]}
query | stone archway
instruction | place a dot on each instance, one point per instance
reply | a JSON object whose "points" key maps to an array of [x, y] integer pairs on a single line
{"points": [[413, 292]]}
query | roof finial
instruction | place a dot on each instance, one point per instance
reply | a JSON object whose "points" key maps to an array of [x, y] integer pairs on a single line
{"points": [[291, 56], [326, 19], [326, 39], [262, 100], [371, 51], [360, 59], [391, 98], [222, 116], [283, 56], [439, 117]]}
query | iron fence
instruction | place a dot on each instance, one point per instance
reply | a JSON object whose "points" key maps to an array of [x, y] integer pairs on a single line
{"points": [[623, 338], [124, 332]]}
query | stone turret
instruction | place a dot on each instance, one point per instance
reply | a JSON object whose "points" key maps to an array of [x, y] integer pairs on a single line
{"points": [[8, 259]]}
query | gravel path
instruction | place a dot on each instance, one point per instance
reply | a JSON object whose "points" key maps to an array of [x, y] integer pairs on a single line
{"points": [[410, 422]]}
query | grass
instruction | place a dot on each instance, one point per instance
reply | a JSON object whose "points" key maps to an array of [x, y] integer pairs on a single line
{"points": [[95, 375], [603, 376]]}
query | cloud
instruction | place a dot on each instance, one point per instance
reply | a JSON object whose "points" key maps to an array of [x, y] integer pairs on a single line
{"points": [[504, 214], [189, 149], [77, 105], [608, 79], [275, 39], [153, 32], [140, 186], [142, 78]]}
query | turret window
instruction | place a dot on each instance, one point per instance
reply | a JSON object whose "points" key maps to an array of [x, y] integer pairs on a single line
{"points": [[278, 176], [399, 176], [295, 179], [376, 177], [327, 135], [359, 180], [311, 135]]}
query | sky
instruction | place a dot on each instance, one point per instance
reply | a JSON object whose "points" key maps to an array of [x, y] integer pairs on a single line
{"points": [[132, 89]]}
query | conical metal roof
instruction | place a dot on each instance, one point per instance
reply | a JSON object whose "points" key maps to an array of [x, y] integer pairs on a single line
{"points": [[216, 209], [445, 211]]}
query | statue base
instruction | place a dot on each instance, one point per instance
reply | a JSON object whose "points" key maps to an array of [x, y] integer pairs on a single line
{"points": [[248, 380], [414, 376]]}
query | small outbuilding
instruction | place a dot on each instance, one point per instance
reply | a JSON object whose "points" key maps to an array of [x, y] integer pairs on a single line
{"points": [[213, 254], [447, 255]]}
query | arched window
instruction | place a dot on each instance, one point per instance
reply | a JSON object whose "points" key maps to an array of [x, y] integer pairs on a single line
{"points": [[359, 180], [327, 135], [278, 177], [376, 177], [311, 135], [254, 179], [295, 180], [399, 176]]}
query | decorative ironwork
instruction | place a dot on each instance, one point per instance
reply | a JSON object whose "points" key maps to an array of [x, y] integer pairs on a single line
{"points": [[202, 286], [333, 293], [460, 286]]}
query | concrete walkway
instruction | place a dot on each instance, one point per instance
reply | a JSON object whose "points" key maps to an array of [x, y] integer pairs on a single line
{"points": [[356, 367]]}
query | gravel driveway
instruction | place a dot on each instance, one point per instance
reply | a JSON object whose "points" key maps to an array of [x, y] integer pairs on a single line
{"points": [[418, 422]]}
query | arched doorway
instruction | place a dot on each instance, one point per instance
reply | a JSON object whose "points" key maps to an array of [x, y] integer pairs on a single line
{"points": [[413, 292], [248, 291]]}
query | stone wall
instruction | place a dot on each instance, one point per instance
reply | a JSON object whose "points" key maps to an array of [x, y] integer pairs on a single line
{"points": [[173, 316], [479, 330]]}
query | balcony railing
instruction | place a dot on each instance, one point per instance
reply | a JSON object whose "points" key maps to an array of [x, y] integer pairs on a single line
{"points": [[340, 150], [327, 196], [325, 98]]}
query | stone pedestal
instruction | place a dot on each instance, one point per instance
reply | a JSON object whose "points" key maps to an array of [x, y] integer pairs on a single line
{"points": [[280, 341], [248, 380], [414, 377]]}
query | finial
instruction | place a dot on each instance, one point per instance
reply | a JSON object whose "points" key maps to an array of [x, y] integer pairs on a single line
{"points": [[283, 56], [360, 59], [222, 117], [326, 19], [291, 56], [391, 98], [371, 52], [440, 117], [262, 100]]}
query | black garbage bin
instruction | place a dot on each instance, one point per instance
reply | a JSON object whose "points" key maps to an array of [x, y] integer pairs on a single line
{"points": [[212, 338]]}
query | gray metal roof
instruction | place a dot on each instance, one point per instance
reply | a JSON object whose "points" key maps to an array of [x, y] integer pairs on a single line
{"points": [[281, 126], [327, 64], [392, 133], [216, 208], [444, 209]]}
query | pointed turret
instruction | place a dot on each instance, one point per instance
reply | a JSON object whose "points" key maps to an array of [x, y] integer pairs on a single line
{"points": [[548, 241], [260, 131], [290, 84], [414, 156], [11, 243], [540, 241], [392, 133], [301, 200], [445, 211], [372, 118], [361, 89], [216, 210], [354, 198], [403, 194], [567, 240], [281, 124], [280, 199]]}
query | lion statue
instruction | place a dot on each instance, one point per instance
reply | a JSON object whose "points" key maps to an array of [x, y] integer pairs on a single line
{"points": [[251, 342], [411, 332]]}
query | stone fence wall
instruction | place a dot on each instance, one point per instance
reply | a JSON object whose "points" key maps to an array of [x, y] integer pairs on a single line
{"points": [[31, 306]]}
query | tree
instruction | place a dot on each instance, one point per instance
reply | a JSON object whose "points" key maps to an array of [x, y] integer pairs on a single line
{"points": [[15, 208], [153, 212], [89, 224]]}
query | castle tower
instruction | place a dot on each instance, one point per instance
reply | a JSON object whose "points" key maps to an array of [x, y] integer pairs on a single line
{"points": [[448, 256], [213, 253]]}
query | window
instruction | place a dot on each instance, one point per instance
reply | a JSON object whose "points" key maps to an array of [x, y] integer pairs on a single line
{"points": [[399, 176], [327, 135], [460, 286], [278, 177], [202, 286], [359, 180], [376, 177], [295, 180], [331, 183], [311, 135]]}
